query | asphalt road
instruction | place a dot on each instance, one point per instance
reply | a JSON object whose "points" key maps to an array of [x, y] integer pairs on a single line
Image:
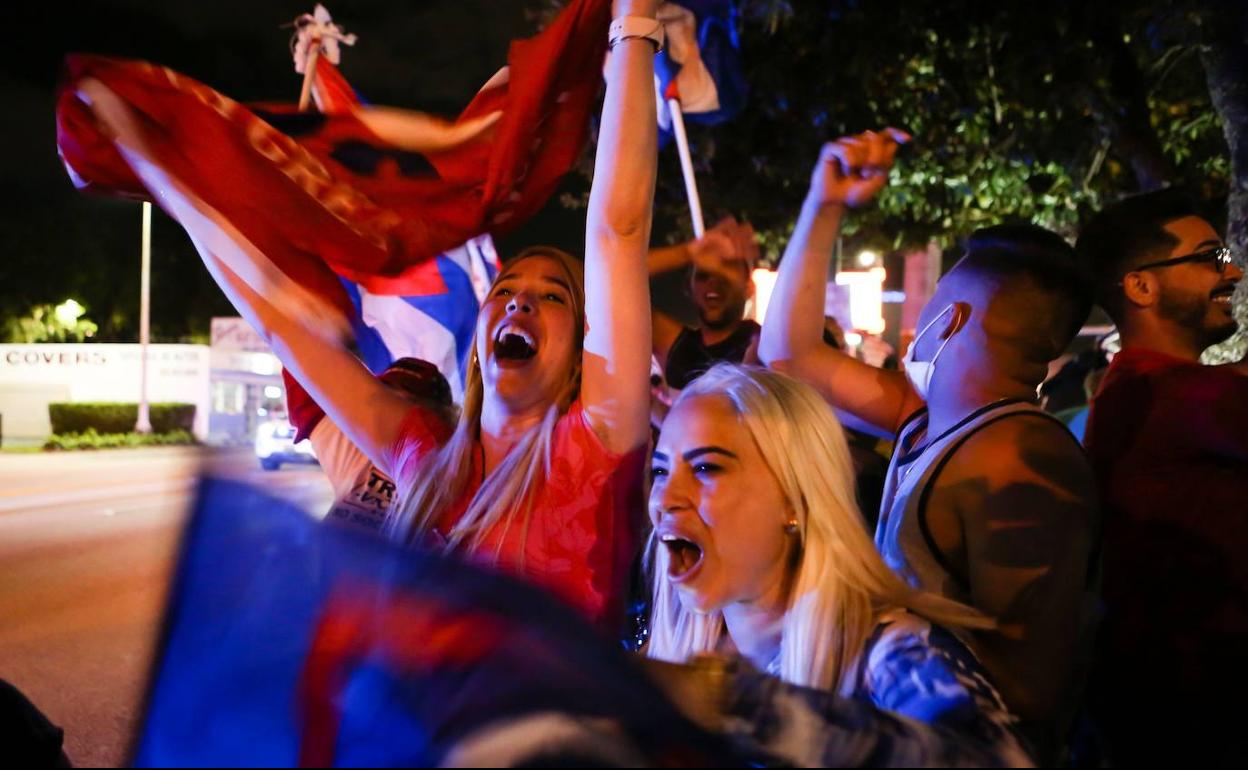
{"points": [[86, 547]]}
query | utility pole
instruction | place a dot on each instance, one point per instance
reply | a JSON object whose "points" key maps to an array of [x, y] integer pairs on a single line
{"points": [[144, 423]]}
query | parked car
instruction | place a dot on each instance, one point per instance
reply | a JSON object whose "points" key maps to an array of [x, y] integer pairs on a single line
{"points": [[275, 444]]}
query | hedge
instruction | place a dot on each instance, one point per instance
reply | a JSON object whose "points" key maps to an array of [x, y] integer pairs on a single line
{"points": [[92, 440], [77, 418]]}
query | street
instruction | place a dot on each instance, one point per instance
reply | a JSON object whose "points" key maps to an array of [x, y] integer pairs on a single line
{"points": [[87, 541]]}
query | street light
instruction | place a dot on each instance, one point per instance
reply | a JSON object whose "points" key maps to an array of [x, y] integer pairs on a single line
{"points": [[867, 258], [68, 312], [144, 423]]}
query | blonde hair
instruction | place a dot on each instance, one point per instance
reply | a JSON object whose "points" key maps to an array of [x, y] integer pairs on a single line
{"points": [[840, 586], [444, 475]]}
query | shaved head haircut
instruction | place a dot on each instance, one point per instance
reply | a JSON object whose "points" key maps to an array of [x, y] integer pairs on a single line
{"points": [[1040, 293]]}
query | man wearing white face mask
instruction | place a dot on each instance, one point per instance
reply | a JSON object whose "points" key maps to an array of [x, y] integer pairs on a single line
{"points": [[988, 500]]}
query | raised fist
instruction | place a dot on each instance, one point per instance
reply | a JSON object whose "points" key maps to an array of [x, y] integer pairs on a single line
{"points": [[853, 169], [728, 245]]}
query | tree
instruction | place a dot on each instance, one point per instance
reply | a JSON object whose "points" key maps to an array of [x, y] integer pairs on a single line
{"points": [[1225, 56], [45, 323], [1021, 111]]}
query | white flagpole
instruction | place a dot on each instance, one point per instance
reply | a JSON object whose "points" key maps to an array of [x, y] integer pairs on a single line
{"points": [[309, 74], [317, 34], [144, 423], [686, 167]]}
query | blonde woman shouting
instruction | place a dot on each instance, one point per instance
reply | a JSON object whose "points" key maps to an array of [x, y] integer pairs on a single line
{"points": [[543, 470], [760, 551]]}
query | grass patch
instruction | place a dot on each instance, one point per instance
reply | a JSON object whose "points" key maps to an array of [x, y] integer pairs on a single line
{"points": [[28, 449], [90, 439]]}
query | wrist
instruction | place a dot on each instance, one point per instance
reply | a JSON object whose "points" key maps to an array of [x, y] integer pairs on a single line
{"points": [[646, 8], [687, 250], [821, 205], [639, 28]]}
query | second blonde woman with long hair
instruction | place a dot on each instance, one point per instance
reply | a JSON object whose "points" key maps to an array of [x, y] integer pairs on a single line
{"points": [[759, 549]]}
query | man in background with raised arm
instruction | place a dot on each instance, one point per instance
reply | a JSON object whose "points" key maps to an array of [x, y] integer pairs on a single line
{"points": [[988, 500], [720, 264]]}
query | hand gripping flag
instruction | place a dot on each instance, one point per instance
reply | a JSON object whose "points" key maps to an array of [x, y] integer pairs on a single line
{"points": [[317, 36], [293, 202], [332, 92], [700, 66], [287, 643]]}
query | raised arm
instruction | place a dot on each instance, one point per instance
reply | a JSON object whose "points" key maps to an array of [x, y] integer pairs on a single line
{"points": [[366, 410], [849, 173], [721, 248], [615, 375]]}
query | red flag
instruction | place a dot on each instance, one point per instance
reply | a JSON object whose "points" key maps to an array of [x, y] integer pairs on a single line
{"points": [[331, 90], [373, 193]]}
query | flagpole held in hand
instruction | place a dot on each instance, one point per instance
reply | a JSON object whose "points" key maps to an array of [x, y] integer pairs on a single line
{"points": [[315, 34], [309, 75], [686, 167]]}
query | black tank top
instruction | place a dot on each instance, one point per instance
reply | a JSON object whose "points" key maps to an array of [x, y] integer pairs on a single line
{"points": [[689, 358]]}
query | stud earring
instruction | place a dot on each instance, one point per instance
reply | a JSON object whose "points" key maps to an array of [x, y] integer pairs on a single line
{"points": [[791, 527]]}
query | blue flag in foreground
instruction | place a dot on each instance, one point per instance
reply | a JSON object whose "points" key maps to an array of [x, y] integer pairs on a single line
{"points": [[287, 642], [700, 65]]}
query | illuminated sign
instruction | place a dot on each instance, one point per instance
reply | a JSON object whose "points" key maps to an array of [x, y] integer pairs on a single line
{"points": [[236, 334], [866, 298], [764, 283], [861, 290]]}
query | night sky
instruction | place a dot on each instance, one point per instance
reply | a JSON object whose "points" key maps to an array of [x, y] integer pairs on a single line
{"points": [[429, 55]]}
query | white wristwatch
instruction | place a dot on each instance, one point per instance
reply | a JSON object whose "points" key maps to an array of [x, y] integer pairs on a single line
{"points": [[635, 27]]}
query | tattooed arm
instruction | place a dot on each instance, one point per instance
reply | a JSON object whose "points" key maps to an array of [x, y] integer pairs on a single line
{"points": [[1014, 513]]}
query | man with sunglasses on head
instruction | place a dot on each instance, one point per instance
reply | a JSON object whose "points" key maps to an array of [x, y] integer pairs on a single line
{"points": [[1168, 438]]}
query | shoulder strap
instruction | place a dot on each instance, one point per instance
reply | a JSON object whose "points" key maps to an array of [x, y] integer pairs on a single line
{"points": [[1012, 409], [678, 356], [900, 438]]}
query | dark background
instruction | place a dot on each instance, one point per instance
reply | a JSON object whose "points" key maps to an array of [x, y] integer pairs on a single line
{"points": [[56, 243]]}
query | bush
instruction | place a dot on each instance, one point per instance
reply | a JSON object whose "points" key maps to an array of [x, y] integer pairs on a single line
{"points": [[69, 419], [90, 439]]}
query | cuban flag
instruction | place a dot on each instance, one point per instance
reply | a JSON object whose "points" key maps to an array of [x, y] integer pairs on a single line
{"points": [[289, 643], [700, 65], [362, 223], [437, 328]]}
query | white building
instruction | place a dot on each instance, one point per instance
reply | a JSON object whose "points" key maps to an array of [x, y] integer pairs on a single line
{"points": [[235, 384], [33, 376], [246, 383]]}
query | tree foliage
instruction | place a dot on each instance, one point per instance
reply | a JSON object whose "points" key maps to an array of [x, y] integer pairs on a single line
{"points": [[1042, 112], [1020, 111], [44, 324]]}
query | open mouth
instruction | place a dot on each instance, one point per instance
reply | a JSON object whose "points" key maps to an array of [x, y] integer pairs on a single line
{"points": [[713, 294], [684, 557], [514, 344], [1222, 296]]}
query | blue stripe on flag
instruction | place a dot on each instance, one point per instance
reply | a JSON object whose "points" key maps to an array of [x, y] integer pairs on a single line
{"points": [[456, 309], [368, 342]]}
